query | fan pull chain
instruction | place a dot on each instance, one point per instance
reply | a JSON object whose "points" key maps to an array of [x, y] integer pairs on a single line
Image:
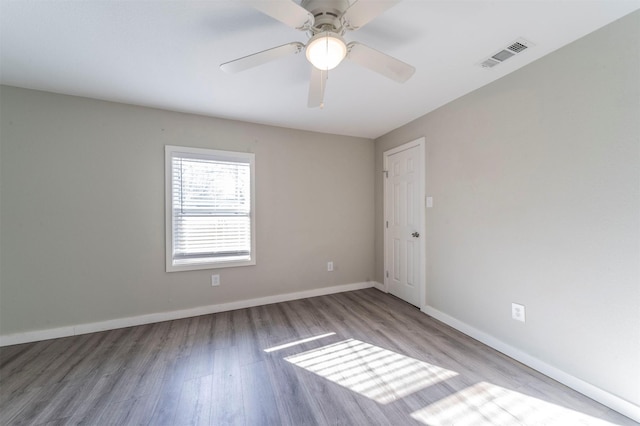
{"points": [[323, 82], [323, 77]]}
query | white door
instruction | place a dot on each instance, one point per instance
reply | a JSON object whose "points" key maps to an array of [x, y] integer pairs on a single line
{"points": [[404, 204]]}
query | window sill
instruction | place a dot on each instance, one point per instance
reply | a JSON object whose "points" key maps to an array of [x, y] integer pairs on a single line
{"points": [[200, 264]]}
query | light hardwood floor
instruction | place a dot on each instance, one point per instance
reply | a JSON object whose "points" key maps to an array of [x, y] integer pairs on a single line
{"points": [[356, 358]]}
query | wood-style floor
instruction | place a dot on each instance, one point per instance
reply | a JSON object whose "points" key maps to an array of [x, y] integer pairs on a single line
{"points": [[356, 358]]}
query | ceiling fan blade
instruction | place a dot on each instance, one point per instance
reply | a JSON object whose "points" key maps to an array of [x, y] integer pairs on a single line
{"points": [[285, 11], [317, 84], [379, 62], [263, 57], [362, 12]]}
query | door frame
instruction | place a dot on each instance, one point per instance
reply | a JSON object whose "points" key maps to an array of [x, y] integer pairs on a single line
{"points": [[386, 203]]}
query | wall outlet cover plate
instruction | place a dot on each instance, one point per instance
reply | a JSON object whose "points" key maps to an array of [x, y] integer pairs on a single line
{"points": [[518, 312]]}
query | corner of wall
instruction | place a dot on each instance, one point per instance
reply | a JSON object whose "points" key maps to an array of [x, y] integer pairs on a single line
{"points": [[606, 398]]}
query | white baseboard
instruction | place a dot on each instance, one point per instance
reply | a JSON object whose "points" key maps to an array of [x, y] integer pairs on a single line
{"points": [[36, 335], [380, 286], [606, 398]]}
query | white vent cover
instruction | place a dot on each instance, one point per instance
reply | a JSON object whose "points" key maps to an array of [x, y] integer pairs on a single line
{"points": [[513, 49]]}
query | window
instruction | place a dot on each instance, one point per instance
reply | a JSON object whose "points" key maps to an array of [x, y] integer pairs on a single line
{"points": [[209, 208]]}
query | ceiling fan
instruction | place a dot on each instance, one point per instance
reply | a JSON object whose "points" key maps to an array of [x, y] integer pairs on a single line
{"points": [[325, 21]]}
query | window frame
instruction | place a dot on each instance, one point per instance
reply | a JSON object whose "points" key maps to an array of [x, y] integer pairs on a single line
{"points": [[230, 156]]}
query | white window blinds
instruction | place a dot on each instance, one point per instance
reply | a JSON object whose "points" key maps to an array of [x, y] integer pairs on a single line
{"points": [[211, 208]]}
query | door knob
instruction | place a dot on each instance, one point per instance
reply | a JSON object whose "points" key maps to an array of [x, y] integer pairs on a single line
{"points": [[415, 234]]}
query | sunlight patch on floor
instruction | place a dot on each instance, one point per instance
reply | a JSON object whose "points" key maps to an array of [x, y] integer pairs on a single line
{"points": [[485, 403], [298, 342], [369, 370]]}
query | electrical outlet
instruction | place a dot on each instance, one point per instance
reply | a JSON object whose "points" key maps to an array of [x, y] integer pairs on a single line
{"points": [[215, 280], [517, 312], [330, 266]]}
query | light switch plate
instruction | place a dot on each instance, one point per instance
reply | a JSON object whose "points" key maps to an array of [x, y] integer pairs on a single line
{"points": [[429, 202]]}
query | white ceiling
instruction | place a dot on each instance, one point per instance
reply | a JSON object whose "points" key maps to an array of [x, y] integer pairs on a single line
{"points": [[166, 54]]}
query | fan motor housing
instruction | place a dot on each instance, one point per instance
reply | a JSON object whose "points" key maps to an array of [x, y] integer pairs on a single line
{"points": [[327, 13]]}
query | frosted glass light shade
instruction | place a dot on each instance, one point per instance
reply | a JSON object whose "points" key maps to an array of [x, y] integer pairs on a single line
{"points": [[326, 50]]}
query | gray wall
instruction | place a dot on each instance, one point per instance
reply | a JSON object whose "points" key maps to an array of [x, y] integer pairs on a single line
{"points": [[536, 186], [82, 211]]}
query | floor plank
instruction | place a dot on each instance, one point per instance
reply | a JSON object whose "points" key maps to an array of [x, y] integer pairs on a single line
{"points": [[355, 358], [258, 397], [227, 407]]}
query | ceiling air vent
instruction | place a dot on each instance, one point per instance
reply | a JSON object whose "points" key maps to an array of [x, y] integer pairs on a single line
{"points": [[517, 47], [489, 63], [513, 49], [502, 55]]}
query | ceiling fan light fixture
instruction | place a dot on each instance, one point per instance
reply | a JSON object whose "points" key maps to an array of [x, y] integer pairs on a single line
{"points": [[326, 50]]}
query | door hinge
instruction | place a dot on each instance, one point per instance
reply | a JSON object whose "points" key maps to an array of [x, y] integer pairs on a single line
{"points": [[386, 173], [387, 274], [387, 224]]}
